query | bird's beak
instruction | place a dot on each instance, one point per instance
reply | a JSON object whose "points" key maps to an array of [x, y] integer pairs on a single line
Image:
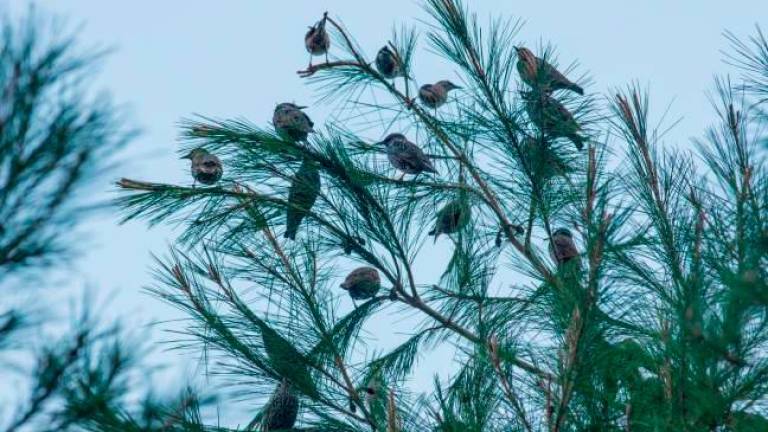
{"points": [[517, 48], [187, 156], [301, 107]]}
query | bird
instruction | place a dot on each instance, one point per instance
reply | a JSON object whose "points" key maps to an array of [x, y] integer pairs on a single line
{"points": [[281, 410], [389, 63], [406, 156], [451, 218], [290, 121], [317, 41], [541, 75], [206, 167], [435, 95], [561, 246], [302, 195], [362, 283], [552, 117], [541, 159]]}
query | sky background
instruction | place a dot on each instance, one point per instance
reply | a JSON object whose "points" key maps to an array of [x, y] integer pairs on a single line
{"points": [[237, 58]]}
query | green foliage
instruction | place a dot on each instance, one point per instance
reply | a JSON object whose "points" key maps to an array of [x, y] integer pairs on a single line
{"points": [[659, 324]]}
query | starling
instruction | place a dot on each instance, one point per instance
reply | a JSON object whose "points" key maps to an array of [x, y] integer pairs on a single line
{"points": [[389, 64], [206, 168], [362, 283], [281, 410], [561, 246], [317, 41], [542, 160], [406, 156], [435, 95], [451, 218], [301, 196], [292, 122], [541, 75], [552, 117]]}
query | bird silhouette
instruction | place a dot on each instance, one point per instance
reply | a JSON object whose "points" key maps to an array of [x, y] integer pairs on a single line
{"points": [[281, 410], [389, 64], [451, 218], [435, 95], [291, 122], [317, 41], [206, 168], [362, 283], [302, 195], [541, 75], [406, 156], [552, 117], [561, 246]]}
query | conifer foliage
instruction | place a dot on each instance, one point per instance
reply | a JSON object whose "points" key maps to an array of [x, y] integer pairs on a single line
{"points": [[637, 299]]}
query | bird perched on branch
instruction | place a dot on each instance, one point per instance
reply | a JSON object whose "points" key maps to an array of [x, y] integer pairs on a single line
{"points": [[206, 167], [541, 75], [435, 95], [451, 218], [362, 283], [317, 40], [406, 156], [290, 121], [281, 410], [561, 246], [552, 117], [302, 195], [389, 63]]}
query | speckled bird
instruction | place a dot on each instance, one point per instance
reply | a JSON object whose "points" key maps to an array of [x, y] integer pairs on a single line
{"points": [[541, 75], [362, 283], [302, 195], [290, 121], [435, 95], [317, 41], [406, 156], [451, 218], [561, 246], [552, 117], [389, 63], [206, 167], [282, 409]]}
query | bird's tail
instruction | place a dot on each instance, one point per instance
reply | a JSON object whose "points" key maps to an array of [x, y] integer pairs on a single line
{"points": [[576, 88], [578, 140], [290, 232]]}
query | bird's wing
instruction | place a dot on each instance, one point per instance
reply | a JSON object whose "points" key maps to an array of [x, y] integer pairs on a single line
{"points": [[553, 74], [307, 122], [559, 111]]}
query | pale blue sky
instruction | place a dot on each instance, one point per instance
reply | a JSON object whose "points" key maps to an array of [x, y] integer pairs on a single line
{"points": [[238, 58]]}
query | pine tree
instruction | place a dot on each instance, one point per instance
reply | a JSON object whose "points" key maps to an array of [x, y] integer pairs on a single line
{"points": [[56, 141], [653, 318]]}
